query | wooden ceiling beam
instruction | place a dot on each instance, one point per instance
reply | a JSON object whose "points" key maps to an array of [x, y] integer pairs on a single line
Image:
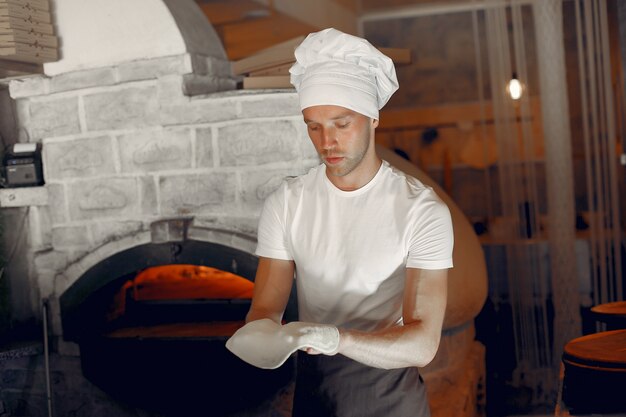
{"points": [[353, 5], [245, 38], [232, 11], [372, 5], [320, 14]]}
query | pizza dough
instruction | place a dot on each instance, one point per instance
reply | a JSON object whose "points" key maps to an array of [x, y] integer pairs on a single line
{"points": [[266, 344]]}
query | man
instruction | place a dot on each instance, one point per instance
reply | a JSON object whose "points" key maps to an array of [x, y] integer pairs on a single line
{"points": [[369, 248]]}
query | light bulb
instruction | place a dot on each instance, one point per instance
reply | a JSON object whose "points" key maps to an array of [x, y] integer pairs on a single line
{"points": [[514, 88]]}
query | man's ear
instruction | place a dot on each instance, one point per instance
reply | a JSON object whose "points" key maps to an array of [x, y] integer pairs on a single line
{"points": [[374, 123]]}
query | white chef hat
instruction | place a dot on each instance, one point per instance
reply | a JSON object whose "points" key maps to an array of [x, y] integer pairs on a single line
{"points": [[339, 69]]}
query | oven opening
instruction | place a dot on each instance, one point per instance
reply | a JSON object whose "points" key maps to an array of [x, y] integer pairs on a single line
{"points": [[156, 341], [179, 301]]}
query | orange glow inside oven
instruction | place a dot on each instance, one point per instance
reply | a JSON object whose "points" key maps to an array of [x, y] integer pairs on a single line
{"points": [[180, 282]]}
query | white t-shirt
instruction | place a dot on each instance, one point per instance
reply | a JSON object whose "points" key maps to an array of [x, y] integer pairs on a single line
{"points": [[351, 248]]}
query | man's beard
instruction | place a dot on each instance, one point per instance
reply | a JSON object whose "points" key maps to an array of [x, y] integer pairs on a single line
{"points": [[347, 165], [350, 162]]}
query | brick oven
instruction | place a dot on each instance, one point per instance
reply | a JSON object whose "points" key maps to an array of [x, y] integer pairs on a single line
{"points": [[158, 161], [162, 178]]}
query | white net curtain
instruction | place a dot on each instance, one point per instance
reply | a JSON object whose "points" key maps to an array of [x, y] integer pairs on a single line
{"points": [[550, 166], [601, 145], [577, 135]]}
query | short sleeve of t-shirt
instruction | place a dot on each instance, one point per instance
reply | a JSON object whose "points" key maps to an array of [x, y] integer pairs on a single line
{"points": [[272, 237], [432, 237]]}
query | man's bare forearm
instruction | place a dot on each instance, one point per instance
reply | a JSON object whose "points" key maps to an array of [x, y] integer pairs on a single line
{"points": [[416, 342], [257, 314], [397, 347], [272, 286]]}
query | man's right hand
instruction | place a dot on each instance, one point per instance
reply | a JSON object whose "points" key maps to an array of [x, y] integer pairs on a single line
{"points": [[266, 344]]}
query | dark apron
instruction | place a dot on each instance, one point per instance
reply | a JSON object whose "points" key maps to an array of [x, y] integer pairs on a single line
{"points": [[336, 386]]}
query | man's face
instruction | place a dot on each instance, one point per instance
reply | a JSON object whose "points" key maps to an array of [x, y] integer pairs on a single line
{"points": [[341, 137]]}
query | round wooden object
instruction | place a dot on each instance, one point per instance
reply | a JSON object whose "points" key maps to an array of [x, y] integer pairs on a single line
{"points": [[613, 314], [595, 373]]}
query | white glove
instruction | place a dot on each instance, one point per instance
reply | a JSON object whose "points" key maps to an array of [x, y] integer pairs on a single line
{"points": [[266, 344], [322, 337]]}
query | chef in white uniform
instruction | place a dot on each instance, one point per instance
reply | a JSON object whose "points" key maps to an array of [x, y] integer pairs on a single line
{"points": [[367, 246]]}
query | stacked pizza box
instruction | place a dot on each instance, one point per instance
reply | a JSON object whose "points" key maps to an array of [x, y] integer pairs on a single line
{"points": [[26, 32], [269, 68]]}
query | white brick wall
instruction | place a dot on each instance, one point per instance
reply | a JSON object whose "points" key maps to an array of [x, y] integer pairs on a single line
{"points": [[155, 150], [127, 146], [257, 142], [127, 107], [79, 158], [54, 116]]}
